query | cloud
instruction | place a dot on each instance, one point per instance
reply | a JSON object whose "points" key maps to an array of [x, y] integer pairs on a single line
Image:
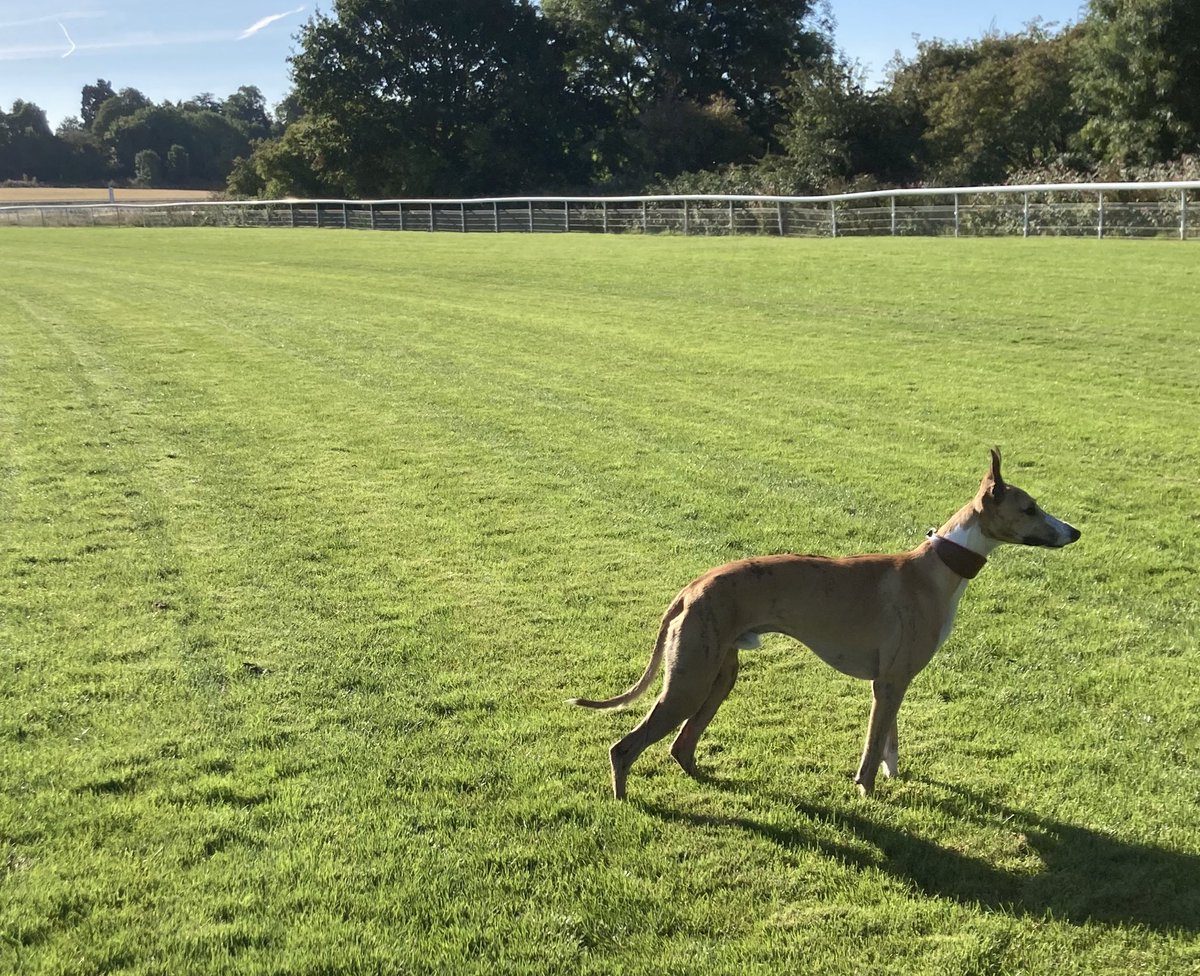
{"points": [[54, 18], [266, 22], [143, 39], [138, 39]]}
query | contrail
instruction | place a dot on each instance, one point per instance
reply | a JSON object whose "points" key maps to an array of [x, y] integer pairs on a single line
{"points": [[267, 21], [47, 18], [69, 41]]}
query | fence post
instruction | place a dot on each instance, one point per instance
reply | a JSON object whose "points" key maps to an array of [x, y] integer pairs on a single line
{"points": [[371, 208], [318, 209], [566, 216], [731, 227], [956, 215], [645, 219], [1025, 221], [400, 213], [1100, 216], [686, 228], [893, 199], [462, 217], [345, 217], [604, 216], [496, 216], [1183, 215], [432, 218], [779, 214], [833, 218]]}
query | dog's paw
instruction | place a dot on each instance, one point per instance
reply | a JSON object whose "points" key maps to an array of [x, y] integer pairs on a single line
{"points": [[865, 789]]}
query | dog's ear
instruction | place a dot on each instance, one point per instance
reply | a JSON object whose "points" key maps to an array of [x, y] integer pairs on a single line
{"points": [[993, 484]]}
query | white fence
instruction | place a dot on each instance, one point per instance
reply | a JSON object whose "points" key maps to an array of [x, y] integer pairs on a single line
{"points": [[1170, 210]]}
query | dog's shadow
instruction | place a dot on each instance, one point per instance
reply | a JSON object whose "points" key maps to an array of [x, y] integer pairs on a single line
{"points": [[1082, 875]]}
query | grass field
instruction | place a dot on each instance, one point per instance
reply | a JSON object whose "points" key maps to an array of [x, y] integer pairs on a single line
{"points": [[305, 537], [14, 195]]}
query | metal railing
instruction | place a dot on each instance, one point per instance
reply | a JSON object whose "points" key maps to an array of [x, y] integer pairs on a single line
{"points": [[1166, 209]]}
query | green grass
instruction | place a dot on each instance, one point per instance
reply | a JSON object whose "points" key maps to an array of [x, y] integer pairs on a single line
{"points": [[305, 537]]}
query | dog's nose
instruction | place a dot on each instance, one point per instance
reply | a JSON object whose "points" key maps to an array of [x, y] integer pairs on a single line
{"points": [[1073, 534]]}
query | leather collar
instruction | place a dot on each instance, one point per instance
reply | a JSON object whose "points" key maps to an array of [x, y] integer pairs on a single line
{"points": [[958, 559]]}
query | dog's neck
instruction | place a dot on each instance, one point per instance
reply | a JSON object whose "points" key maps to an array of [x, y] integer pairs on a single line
{"points": [[968, 534], [958, 559], [962, 544]]}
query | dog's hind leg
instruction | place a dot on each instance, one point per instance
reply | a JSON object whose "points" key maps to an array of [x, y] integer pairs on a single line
{"points": [[668, 712], [684, 746]]}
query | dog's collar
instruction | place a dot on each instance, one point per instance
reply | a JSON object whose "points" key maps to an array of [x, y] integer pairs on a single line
{"points": [[958, 559]]}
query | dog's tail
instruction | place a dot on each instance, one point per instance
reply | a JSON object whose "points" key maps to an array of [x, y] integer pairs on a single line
{"points": [[647, 677]]}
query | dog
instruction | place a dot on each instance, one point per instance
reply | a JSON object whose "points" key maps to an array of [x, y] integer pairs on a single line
{"points": [[875, 617]]}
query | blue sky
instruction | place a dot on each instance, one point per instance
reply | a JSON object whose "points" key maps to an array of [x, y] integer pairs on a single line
{"points": [[49, 49]]}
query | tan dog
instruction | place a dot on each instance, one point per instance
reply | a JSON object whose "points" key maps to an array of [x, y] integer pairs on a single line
{"points": [[880, 618]]}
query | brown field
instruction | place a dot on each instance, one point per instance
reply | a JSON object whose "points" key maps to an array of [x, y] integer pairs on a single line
{"points": [[83, 194]]}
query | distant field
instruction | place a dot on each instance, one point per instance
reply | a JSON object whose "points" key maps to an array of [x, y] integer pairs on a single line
{"points": [[305, 537], [81, 194]]}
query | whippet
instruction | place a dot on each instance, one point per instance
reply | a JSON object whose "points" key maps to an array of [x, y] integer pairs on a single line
{"points": [[875, 617]]}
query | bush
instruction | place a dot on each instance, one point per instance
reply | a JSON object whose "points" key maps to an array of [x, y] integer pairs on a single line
{"points": [[147, 168]]}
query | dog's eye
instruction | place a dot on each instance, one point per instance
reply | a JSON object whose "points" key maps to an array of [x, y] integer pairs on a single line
{"points": [[1029, 510]]}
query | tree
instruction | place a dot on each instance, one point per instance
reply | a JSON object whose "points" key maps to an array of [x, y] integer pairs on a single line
{"points": [[211, 141], [84, 159], [987, 106], [435, 96], [148, 168], [204, 102], [637, 53], [287, 111], [191, 146], [93, 96], [296, 164], [247, 109], [27, 119], [28, 147], [838, 134], [179, 165], [1139, 80], [673, 136], [125, 103]]}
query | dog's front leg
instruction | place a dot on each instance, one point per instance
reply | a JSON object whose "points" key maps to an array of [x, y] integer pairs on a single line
{"points": [[886, 696], [891, 753]]}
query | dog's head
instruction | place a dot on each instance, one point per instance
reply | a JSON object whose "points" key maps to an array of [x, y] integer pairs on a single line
{"points": [[1009, 514]]}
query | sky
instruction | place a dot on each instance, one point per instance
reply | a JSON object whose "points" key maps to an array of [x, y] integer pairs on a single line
{"points": [[50, 49]]}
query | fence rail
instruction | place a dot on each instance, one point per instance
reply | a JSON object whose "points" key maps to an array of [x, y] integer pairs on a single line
{"points": [[1169, 209]]}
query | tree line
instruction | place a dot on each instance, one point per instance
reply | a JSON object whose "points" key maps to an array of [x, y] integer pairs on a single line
{"points": [[404, 98], [123, 137]]}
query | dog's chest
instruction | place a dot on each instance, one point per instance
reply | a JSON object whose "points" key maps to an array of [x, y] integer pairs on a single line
{"points": [[948, 623]]}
